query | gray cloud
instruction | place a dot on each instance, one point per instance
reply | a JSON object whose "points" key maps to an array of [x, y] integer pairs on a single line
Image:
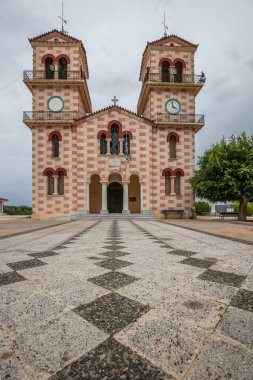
{"points": [[115, 33]]}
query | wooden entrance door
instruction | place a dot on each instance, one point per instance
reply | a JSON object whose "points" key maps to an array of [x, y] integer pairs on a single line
{"points": [[115, 197]]}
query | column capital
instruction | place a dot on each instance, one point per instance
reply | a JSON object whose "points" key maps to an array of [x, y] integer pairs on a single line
{"points": [[104, 182], [125, 182]]}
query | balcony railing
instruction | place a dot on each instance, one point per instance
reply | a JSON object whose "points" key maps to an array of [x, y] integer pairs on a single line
{"points": [[182, 118], [47, 115], [55, 75], [174, 78]]}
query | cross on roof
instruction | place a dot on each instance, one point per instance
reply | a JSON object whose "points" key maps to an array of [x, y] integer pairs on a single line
{"points": [[114, 100]]}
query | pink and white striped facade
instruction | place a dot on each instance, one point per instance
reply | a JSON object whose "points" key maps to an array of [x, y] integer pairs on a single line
{"points": [[89, 174]]}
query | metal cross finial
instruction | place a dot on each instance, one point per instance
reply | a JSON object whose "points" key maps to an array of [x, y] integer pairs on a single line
{"points": [[62, 19], [165, 26], [114, 100]]}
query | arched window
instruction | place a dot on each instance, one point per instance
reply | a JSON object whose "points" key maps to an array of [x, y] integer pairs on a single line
{"points": [[173, 147], [177, 183], [114, 144], [167, 183], [50, 183], [49, 68], [55, 145], [165, 71], [63, 68], [126, 144], [60, 183], [103, 144], [179, 71]]}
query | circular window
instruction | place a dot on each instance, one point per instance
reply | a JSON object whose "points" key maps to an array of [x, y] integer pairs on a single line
{"points": [[55, 104]]}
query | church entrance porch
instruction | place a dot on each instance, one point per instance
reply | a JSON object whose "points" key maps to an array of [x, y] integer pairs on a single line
{"points": [[115, 197]]}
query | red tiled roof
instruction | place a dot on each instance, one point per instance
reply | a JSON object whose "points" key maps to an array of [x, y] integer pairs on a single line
{"points": [[145, 119], [160, 42]]}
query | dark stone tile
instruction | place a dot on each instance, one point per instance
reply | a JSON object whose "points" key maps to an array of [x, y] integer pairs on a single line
{"points": [[180, 252], [222, 277], [113, 264], [111, 312], [19, 265], [111, 361], [112, 280], [114, 254], [94, 258], [43, 254], [114, 247], [243, 299], [198, 262], [10, 277]]}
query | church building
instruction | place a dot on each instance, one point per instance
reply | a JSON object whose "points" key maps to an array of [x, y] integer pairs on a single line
{"points": [[112, 160]]}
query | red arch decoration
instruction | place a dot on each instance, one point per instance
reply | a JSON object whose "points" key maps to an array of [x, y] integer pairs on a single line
{"points": [[100, 133], [61, 170], [62, 56], [49, 170], [129, 133], [165, 60], [118, 123], [50, 136], [43, 59], [173, 134], [181, 61], [167, 170], [179, 171]]}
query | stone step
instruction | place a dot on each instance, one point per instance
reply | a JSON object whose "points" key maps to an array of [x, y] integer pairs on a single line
{"points": [[113, 216]]}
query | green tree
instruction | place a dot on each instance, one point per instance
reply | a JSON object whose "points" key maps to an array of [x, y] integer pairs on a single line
{"points": [[202, 207], [226, 172]]}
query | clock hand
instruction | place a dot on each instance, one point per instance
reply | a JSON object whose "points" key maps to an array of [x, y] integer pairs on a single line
{"points": [[173, 106]]}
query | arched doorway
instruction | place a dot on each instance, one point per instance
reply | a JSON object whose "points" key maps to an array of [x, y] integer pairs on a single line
{"points": [[134, 193], [95, 194], [115, 197]]}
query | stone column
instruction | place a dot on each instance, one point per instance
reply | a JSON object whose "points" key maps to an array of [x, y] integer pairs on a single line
{"points": [[55, 185], [125, 199], [172, 184], [104, 198], [88, 198], [141, 197]]}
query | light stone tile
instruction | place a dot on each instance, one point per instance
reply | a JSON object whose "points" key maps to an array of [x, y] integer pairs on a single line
{"points": [[191, 307], [150, 293], [10, 366], [169, 344], [237, 324], [57, 343], [218, 292], [22, 314], [222, 360]]}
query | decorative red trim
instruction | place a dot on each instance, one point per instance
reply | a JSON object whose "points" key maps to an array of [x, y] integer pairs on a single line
{"points": [[50, 137], [103, 132], [61, 170], [49, 170], [165, 60], [62, 56], [43, 59], [118, 123], [129, 134], [179, 60], [167, 170], [179, 171], [173, 134]]}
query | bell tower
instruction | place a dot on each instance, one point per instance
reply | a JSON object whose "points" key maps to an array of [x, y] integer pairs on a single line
{"points": [[58, 83], [169, 88]]}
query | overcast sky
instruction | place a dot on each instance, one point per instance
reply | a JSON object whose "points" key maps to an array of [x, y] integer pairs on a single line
{"points": [[114, 33]]}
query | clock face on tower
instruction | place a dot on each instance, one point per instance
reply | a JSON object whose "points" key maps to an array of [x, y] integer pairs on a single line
{"points": [[173, 106], [55, 104]]}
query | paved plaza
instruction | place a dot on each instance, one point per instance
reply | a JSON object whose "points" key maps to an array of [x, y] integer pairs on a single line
{"points": [[122, 300]]}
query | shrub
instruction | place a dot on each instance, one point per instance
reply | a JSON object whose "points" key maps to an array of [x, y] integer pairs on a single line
{"points": [[17, 210], [202, 207], [249, 208]]}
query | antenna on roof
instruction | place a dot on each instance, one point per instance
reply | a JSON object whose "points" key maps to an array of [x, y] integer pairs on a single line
{"points": [[62, 19], [164, 25]]}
